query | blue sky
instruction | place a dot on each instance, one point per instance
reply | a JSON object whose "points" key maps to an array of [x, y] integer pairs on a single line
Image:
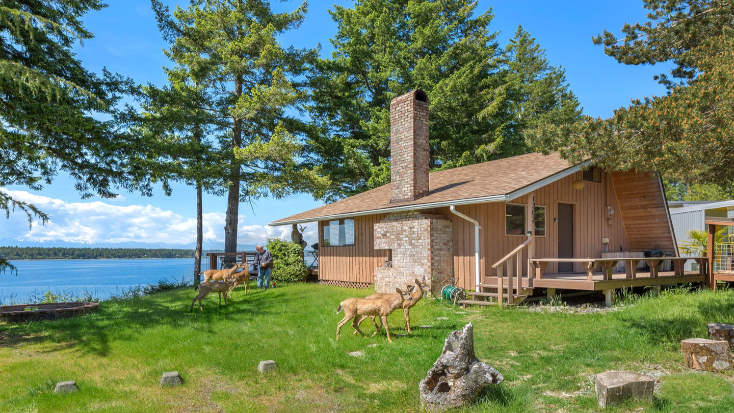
{"points": [[127, 42]]}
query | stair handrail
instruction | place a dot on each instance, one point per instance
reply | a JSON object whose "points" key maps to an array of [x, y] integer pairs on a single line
{"points": [[515, 251]]}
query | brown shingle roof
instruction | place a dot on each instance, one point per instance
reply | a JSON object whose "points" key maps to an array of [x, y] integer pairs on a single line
{"points": [[474, 182]]}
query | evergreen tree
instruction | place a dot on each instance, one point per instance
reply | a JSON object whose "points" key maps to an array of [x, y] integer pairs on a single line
{"points": [[51, 106], [229, 50], [386, 48], [686, 135]]}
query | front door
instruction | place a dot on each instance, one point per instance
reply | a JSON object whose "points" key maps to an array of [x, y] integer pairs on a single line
{"points": [[565, 236]]}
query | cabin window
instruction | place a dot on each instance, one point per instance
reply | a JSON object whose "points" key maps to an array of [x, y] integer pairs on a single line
{"points": [[539, 221], [593, 174], [338, 233], [515, 219]]}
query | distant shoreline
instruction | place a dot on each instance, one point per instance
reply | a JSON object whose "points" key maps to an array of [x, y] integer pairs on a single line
{"points": [[99, 259]]}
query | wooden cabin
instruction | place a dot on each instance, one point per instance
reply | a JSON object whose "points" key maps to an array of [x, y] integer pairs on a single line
{"points": [[499, 229]]}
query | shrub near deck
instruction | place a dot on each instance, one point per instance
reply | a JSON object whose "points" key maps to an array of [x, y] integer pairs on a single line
{"points": [[117, 355]]}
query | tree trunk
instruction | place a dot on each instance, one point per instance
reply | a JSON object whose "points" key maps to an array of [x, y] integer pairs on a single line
{"points": [[199, 236], [233, 199]]}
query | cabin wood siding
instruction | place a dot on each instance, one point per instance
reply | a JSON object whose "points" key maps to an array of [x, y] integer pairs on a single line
{"points": [[357, 263], [590, 226], [354, 263], [642, 205]]}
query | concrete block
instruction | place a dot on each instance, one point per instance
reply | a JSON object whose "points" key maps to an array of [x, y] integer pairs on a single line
{"points": [[614, 387], [171, 378], [64, 387], [266, 366]]}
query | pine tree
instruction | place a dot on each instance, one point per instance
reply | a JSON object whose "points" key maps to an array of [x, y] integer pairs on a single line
{"points": [[51, 106], [230, 51], [687, 134]]}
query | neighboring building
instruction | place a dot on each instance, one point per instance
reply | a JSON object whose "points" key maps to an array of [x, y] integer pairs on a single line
{"points": [[423, 225], [691, 215]]}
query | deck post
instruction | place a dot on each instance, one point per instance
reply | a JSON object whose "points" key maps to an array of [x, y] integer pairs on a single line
{"points": [[609, 297], [510, 274], [550, 293], [710, 279], [500, 286]]}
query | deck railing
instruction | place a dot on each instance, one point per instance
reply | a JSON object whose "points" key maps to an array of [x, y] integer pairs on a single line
{"points": [[512, 278], [724, 257]]}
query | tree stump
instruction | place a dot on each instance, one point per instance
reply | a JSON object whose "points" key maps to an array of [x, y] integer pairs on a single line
{"points": [[722, 332], [702, 354], [614, 387], [458, 376]]}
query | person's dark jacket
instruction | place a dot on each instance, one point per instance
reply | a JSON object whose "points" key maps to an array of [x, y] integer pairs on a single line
{"points": [[263, 258]]}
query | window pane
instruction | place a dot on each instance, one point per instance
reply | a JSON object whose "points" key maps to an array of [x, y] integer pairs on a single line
{"points": [[334, 232], [539, 221], [342, 233], [326, 241], [515, 219], [349, 231]]}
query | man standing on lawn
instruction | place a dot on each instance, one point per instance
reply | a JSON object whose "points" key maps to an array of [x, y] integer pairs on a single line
{"points": [[264, 264]]}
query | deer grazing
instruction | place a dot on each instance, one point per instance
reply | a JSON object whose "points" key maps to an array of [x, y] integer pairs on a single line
{"points": [[416, 294], [355, 308], [219, 275], [242, 277], [206, 288]]}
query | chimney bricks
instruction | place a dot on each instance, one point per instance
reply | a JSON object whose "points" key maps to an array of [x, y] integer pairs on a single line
{"points": [[409, 146]]}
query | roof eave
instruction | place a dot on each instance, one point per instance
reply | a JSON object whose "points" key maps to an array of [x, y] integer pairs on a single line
{"points": [[412, 207]]}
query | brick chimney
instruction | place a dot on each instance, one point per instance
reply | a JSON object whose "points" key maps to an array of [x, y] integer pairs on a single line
{"points": [[409, 146]]}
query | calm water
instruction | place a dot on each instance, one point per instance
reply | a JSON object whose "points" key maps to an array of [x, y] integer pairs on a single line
{"points": [[102, 278]]}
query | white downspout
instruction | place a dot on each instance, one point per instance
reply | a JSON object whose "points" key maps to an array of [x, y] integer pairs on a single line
{"points": [[476, 243]]}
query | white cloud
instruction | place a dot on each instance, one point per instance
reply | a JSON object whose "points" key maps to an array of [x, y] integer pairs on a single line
{"points": [[99, 222]]}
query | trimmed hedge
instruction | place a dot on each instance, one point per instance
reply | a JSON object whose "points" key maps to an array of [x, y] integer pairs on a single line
{"points": [[288, 265]]}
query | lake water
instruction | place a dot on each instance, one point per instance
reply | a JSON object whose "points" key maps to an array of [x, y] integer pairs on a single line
{"points": [[101, 278]]}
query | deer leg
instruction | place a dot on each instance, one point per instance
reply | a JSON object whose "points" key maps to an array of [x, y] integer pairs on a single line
{"points": [[192, 304], [377, 328], [200, 307], [356, 325], [387, 328], [406, 311], [339, 326], [360, 323], [220, 299]]}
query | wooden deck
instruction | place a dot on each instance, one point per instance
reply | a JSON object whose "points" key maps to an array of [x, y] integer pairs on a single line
{"points": [[579, 281]]}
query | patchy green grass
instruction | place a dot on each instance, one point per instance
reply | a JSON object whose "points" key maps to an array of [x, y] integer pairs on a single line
{"points": [[118, 355]]}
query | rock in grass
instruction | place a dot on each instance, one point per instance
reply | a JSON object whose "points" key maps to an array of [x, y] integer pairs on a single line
{"points": [[266, 366], [442, 318], [64, 387], [702, 354], [614, 387], [722, 332], [171, 378], [357, 353], [458, 377]]}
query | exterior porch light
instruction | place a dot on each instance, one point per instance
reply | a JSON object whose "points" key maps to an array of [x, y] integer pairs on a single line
{"points": [[476, 244]]}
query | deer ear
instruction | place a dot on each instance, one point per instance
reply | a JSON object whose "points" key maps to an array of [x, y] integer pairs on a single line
{"points": [[416, 281], [399, 290]]}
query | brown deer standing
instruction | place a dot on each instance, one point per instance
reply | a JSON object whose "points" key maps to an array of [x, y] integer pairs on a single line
{"points": [[354, 308], [416, 296], [219, 275], [206, 288]]}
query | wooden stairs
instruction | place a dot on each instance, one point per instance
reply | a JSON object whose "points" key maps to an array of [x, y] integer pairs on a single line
{"points": [[489, 294]]}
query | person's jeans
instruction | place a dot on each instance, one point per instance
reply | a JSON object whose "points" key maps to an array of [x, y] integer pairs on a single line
{"points": [[263, 274]]}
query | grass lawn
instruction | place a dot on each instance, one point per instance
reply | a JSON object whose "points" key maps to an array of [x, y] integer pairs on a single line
{"points": [[117, 356]]}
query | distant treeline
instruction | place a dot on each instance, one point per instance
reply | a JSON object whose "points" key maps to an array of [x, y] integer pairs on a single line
{"points": [[60, 253]]}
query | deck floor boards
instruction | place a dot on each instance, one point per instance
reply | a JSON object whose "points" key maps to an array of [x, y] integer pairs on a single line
{"points": [[578, 280]]}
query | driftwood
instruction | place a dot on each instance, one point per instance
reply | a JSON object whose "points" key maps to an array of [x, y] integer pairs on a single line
{"points": [[457, 377]]}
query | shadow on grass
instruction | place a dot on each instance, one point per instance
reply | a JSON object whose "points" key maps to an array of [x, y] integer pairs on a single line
{"points": [[125, 319]]}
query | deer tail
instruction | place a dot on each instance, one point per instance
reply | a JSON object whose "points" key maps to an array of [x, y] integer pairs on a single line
{"points": [[339, 310]]}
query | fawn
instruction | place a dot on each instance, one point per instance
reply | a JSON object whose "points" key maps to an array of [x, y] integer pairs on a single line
{"points": [[354, 308], [206, 288], [416, 295]]}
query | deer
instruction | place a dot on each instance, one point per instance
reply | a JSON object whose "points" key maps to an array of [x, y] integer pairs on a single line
{"points": [[219, 275], [354, 308], [206, 288], [242, 277], [416, 294]]}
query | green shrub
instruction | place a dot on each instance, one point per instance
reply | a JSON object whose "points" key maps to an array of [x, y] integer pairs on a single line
{"points": [[288, 265]]}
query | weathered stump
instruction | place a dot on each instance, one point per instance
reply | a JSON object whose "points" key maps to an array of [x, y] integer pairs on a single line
{"points": [[458, 376], [614, 387], [702, 354], [722, 332]]}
